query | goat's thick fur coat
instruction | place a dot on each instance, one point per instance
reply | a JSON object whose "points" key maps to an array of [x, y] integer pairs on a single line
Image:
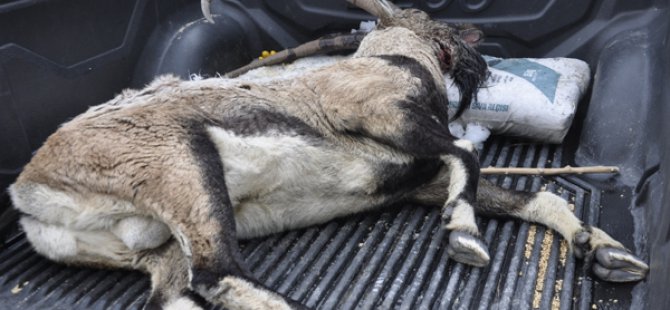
{"points": [[167, 178]]}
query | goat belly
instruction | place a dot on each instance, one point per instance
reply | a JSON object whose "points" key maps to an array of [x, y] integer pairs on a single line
{"points": [[279, 181]]}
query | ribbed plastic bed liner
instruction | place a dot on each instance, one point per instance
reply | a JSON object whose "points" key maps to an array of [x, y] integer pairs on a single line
{"points": [[394, 259]]}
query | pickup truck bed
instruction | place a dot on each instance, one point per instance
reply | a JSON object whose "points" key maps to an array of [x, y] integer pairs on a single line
{"points": [[58, 57]]}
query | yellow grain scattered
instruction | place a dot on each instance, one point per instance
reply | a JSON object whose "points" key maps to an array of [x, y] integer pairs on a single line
{"points": [[556, 301], [545, 251]]}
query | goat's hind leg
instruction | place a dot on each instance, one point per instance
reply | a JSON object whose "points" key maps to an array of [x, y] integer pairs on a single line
{"points": [[611, 260], [215, 269], [465, 243], [166, 263], [200, 215], [75, 230]]}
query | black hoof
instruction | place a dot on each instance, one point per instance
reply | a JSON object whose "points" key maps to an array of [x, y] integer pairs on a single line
{"points": [[582, 246], [467, 249], [617, 265]]}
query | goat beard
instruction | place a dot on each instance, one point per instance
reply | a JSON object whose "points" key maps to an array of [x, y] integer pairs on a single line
{"points": [[469, 73]]}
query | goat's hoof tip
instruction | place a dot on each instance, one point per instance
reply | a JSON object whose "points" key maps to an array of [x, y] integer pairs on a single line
{"points": [[582, 245], [618, 265], [468, 249]]}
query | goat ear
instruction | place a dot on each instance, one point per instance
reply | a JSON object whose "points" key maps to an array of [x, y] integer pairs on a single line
{"points": [[471, 36]]}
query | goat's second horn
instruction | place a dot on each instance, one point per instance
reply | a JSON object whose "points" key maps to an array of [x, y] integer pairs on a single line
{"points": [[206, 12], [379, 8]]}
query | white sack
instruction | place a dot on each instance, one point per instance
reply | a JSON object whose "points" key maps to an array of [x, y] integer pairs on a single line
{"points": [[526, 97]]}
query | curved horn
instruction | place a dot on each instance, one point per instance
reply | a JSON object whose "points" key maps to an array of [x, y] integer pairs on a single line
{"points": [[381, 9], [206, 12]]}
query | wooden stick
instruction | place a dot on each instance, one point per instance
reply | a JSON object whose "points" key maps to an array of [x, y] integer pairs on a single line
{"points": [[550, 171], [325, 44]]}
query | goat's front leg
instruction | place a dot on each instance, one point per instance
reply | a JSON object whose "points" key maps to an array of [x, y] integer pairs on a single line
{"points": [[465, 244], [611, 261]]}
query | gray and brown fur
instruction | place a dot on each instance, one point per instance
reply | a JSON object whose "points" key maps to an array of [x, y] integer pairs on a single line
{"points": [[166, 179]]}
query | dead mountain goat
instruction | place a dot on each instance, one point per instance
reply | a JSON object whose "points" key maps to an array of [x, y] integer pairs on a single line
{"points": [[166, 179]]}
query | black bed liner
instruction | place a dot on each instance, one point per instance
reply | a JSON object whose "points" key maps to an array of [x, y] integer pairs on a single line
{"points": [[59, 57], [392, 259]]}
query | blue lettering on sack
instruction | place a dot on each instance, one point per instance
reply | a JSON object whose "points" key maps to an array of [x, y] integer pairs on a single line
{"points": [[475, 105], [542, 77]]}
